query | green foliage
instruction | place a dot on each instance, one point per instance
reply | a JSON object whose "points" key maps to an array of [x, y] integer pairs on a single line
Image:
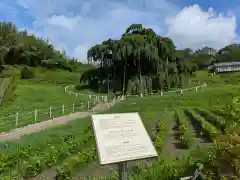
{"points": [[78, 161], [163, 130], [139, 52], [208, 129], [186, 135], [19, 47], [27, 73], [218, 121], [28, 161]]}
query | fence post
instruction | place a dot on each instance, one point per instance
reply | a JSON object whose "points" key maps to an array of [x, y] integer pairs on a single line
{"points": [[88, 105], [106, 99], [17, 119], [73, 107], [63, 109], [35, 115], [181, 91], [196, 89], [50, 112]]}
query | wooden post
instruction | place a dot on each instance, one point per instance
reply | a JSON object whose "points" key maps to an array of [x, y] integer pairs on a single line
{"points": [[73, 107], [63, 109], [35, 115], [88, 105], [50, 112], [123, 171], [17, 119]]}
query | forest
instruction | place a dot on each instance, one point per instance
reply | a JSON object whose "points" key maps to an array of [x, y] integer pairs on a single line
{"points": [[142, 61], [21, 48]]}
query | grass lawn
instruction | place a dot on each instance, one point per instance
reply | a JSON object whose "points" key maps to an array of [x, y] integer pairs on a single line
{"points": [[64, 151], [30, 96], [152, 108]]}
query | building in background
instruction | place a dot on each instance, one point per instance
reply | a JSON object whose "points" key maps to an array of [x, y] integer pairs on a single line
{"points": [[225, 67]]}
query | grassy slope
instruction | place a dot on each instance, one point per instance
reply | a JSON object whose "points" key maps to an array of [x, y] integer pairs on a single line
{"points": [[149, 108], [44, 90]]}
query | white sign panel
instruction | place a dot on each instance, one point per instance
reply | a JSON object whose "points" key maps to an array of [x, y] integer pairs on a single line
{"points": [[121, 137]]}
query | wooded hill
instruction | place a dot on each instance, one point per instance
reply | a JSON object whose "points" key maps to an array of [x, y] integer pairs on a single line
{"points": [[20, 47]]}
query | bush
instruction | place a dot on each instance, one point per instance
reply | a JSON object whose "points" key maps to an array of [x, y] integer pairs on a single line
{"points": [[27, 73]]}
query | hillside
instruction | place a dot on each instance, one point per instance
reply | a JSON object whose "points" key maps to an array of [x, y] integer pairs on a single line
{"points": [[197, 111]]}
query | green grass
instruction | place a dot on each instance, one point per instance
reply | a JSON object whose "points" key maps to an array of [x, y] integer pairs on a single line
{"points": [[4, 83], [220, 79], [35, 97], [58, 77], [30, 96], [151, 108]]}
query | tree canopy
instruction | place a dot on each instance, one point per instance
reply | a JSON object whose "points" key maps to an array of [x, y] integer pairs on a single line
{"points": [[19, 47], [139, 62]]}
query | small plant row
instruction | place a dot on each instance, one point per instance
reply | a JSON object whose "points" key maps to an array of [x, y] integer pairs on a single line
{"points": [[186, 135], [218, 121], [207, 128], [21, 161], [47, 159], [74, 163], [163, 130]]}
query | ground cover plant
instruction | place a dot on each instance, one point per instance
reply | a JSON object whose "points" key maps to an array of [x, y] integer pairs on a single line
{"points": [[31, 97], [151, 109]]}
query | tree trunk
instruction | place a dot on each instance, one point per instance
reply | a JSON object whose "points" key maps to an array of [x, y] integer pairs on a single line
{"points": [[140, 77], [124, 78]]}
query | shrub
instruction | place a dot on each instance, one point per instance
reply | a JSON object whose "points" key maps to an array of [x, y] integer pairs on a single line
{"points": [[27, 73]]}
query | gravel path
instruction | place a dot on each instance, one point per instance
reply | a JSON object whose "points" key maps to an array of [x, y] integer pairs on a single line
{"points": [[17, 133]]}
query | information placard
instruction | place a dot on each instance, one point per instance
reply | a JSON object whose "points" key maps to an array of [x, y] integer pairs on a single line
{"points": [[121, 137]]}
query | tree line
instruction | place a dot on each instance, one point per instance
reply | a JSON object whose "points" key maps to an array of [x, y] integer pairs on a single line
{"points": [[142, 61], [21, 48]]}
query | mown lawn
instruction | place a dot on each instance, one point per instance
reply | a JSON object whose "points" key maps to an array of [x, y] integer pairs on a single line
{"points": [[40, 96]]}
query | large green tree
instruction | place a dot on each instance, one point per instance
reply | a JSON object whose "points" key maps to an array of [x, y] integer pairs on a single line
{"points": [[138, 59]]}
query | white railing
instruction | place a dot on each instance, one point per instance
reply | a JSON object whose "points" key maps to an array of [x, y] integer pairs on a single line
{"points": [[196, 88], [19, 119], [31, 116], [93, 97]]}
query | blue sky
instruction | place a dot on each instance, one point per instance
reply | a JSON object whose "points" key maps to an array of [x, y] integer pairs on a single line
{"points": [[76, 25]]}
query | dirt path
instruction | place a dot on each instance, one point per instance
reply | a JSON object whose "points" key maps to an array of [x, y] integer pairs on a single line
{"points": [[172, 144], [17, 133]]}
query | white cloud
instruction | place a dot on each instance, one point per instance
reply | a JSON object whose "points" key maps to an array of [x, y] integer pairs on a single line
{"points": [[77, 25], [195, 28], [64, 22]]}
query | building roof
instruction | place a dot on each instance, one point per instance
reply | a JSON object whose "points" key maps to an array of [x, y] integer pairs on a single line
{"points": [[234, 63]]}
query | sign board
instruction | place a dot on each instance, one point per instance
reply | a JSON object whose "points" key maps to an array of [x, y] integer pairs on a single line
{"points": [[121, 137]]}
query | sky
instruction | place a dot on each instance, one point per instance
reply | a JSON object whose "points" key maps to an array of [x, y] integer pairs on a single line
{"points": [[76, 25]]}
